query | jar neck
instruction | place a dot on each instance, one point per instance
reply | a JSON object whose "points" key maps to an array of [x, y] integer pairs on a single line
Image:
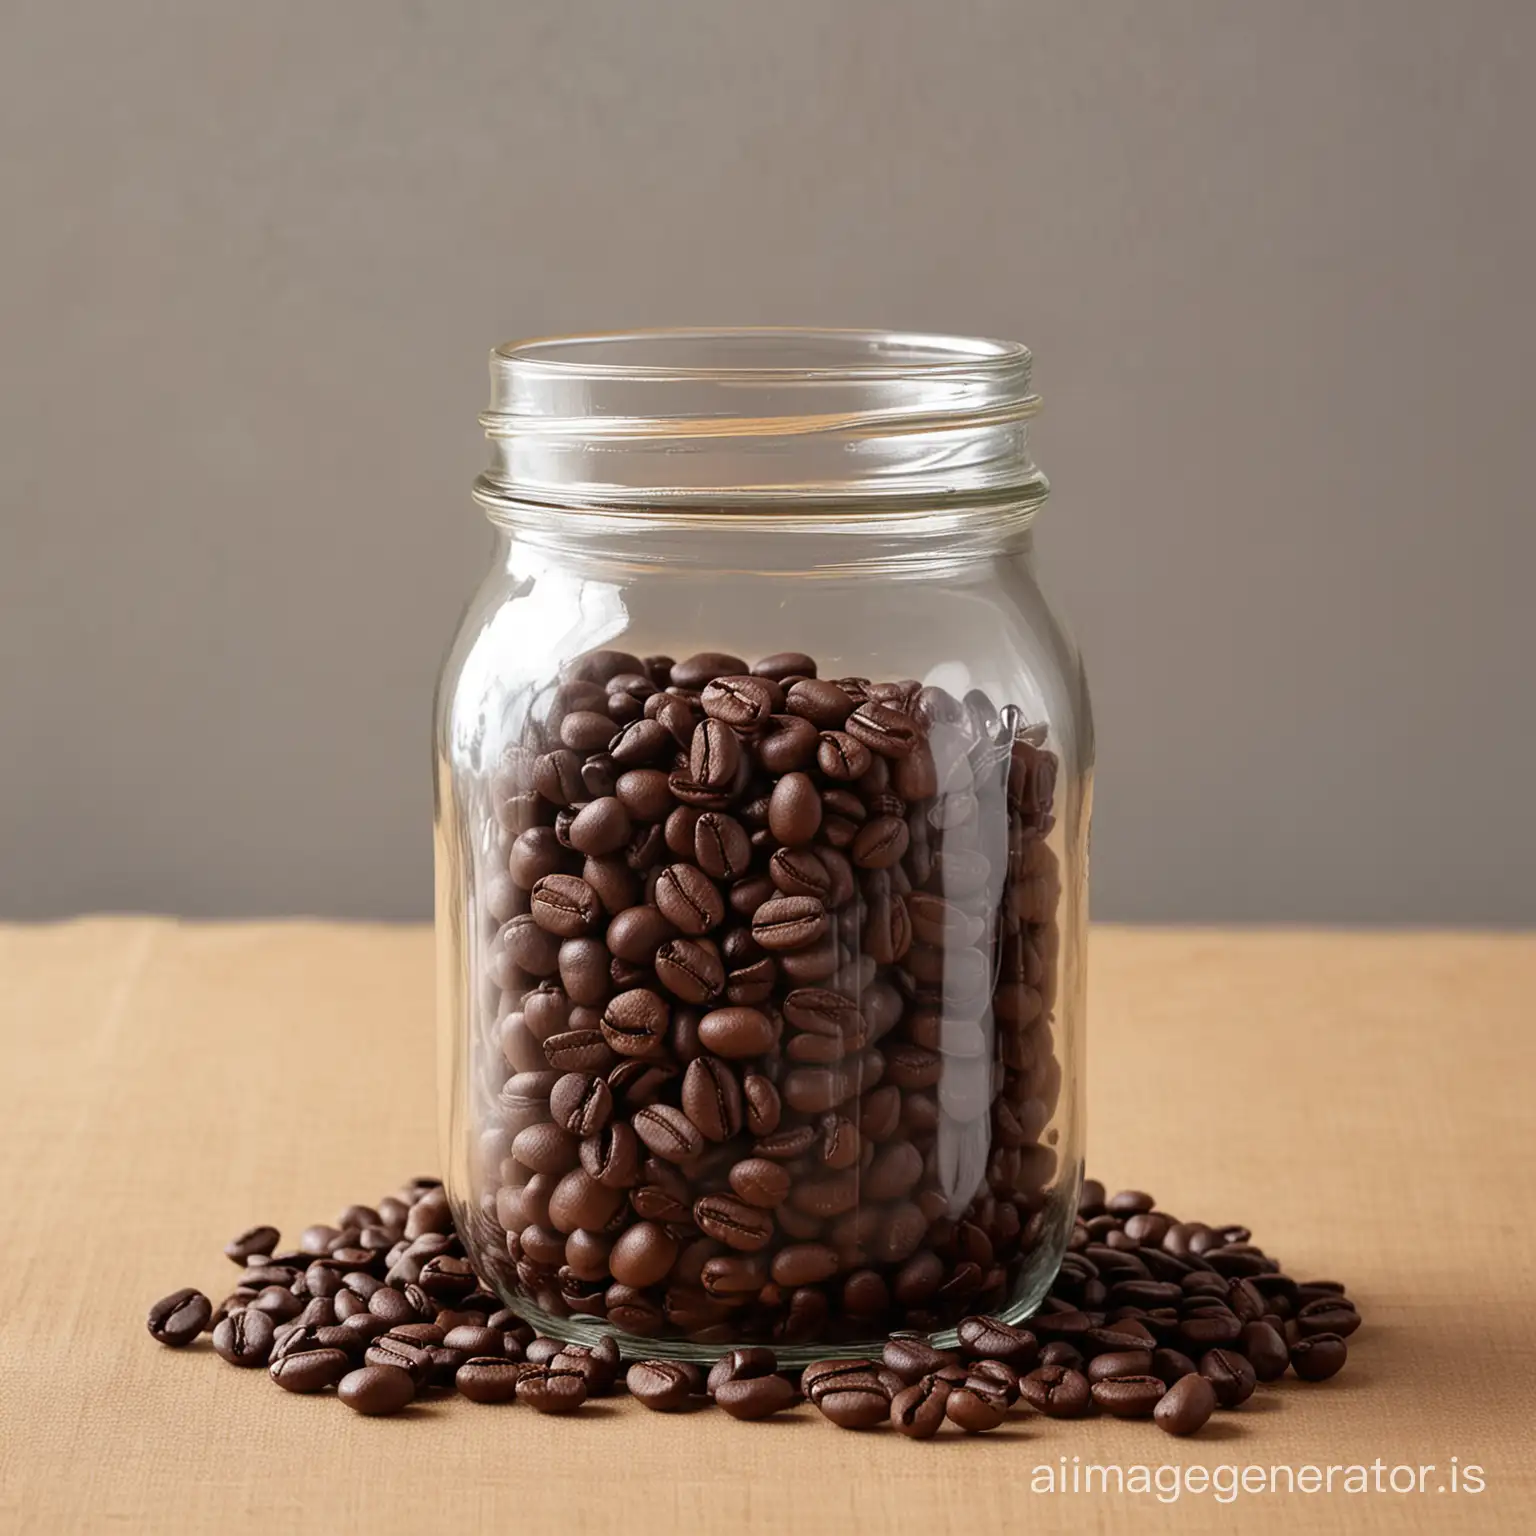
{"points": [[767, 541]]}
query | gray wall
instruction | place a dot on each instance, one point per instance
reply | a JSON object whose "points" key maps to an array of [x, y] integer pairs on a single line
{"points": [[1275, 260]]}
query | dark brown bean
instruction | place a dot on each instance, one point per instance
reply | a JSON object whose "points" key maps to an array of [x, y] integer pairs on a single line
{"points": [[756, 1397], [1186, 1406], [177, 1319]]}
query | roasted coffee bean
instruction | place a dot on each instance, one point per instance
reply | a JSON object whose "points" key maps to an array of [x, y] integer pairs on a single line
{"points": [[252, 1242], [883, 729], [756, 1397], [737, 1033], [689, 899], [734, 1222], [760, 1182], [1169, 1366], [741, 1365], [789, 923], [488, 1379], [794, 810], [1262, 1343], [974, 1409], [691, 969], [786, 743], [742, 702], [376, 1390], [911, 1358], [1185, 1406], [565, 905], [1129, 1397], [642, 1254], [403, 1353], [668, 1132], [1325, 1315], [855, 1404], [662, 1385], [714, 756], [177, 1319], [824, 704], [601, 826], [244, 1338], [917, 1411], [551, 1388], [1230, 1374], [1319, 1356], [1058, 1391], [635, 1022], [1119, 1363], [996, 1378], [712, 1099], [310, 1370], [581, 1103]]}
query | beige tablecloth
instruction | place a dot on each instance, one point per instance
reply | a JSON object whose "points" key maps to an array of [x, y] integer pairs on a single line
{"points": [[1363, 1102]]}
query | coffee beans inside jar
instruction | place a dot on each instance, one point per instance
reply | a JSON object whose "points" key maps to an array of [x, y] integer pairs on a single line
{"points": [[767, 979]]}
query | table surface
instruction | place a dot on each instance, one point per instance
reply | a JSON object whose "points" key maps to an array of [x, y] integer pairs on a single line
{"points": [[1362, 1101]]}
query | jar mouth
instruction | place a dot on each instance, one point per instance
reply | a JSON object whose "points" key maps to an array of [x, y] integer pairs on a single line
{"points": [[731, 416], [761, 352]]}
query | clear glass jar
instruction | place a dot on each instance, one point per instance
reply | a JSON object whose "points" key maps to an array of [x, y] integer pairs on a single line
{"points": [[761, 968]]}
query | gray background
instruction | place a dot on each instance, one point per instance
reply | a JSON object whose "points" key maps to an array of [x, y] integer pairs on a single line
{"points": [[1275, 261]]}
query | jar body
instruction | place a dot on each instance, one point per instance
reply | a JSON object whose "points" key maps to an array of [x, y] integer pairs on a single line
{"points": [[761, 1021]]}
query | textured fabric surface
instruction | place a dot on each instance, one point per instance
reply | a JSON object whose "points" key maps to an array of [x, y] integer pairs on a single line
{"points": [[1362, 1101]]}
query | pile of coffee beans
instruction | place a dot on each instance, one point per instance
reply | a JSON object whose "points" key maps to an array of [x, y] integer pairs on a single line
{"points": [[1150, 1317], [766, 972]]}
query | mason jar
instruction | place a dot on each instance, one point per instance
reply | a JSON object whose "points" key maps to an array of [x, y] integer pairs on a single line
{"points": [[762, 798]]}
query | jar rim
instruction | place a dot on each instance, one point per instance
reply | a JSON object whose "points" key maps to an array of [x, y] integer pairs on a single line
{"points": [[727, 416], [843, 352]]}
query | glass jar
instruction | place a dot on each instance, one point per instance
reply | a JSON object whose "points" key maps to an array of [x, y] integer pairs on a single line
{"points": [[763, 787]]}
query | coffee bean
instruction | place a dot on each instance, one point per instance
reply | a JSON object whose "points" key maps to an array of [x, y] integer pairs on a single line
{"points": [[1325, 1315], [737, 1033], [742, 702], [403, 1353], [251, 1242], [995, 1378], [696, 671], [760, 1182], [488, 1379], [1185, 1406], [1319, 1356], [973, 1409], [1230, 1375], [1169, 1366], [551, 1388], [1058, 1391], [912, 1358], [310, 1370], [794, 810], [634, 1022], [787, 923], [376, 1390], [668, 1132], [565, 905], [642, 1255], [841, 757], [883, 729], [733, 1222], [1266, 1350], [1129, 1397], [581, 1103], [602, 826], [177, 1319], [852, 1404], [244, 1338], [689, 899], [1120, 1363], [880, 843], [756, 1397], [662, 1385], [917, 1411]]}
